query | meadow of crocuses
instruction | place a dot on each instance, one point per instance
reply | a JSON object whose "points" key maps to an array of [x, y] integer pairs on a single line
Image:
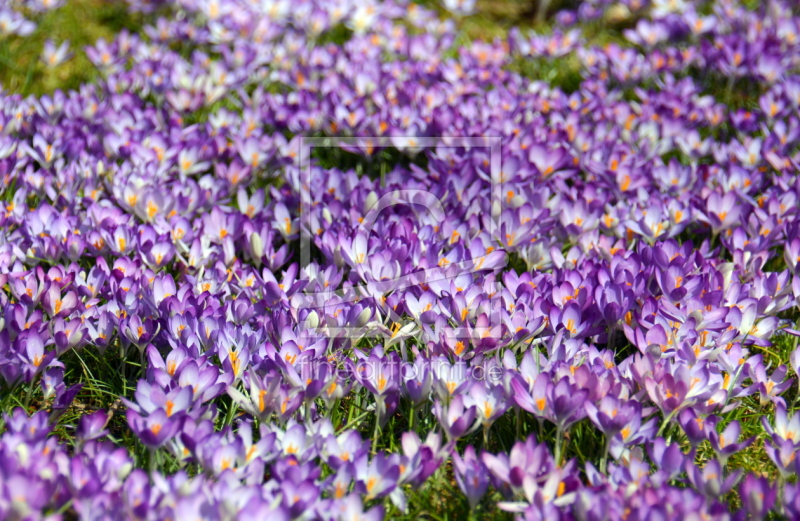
{"points": [[341, 260]]}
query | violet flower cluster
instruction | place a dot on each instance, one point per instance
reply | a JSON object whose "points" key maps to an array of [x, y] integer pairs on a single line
{"points": [[628, 265], [15, 16]]}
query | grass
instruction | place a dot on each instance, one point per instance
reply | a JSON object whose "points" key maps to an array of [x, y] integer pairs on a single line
{"points": [[84, 21]]}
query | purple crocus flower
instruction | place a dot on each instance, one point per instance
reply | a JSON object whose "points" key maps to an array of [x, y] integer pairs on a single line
{"points": [[770, 386], [456, 418], [34, 358], [783, 453], [725, 443], [345, 448], [488, 400], [471, 475], [460, 7], [611, 414], [536, 400], [58, 305], [791, 500], [785, 428], [352, 507], [758, 496], [693, 425], [794, 360], [722, 211], [150, 398], [68, 334], [525, 458], [668, 457], [418, 380], [563, 400], [378, 477], [299, 497], [54, 56], [380, 375], [93, 426], [711, 479], [155, 429], [422, 458], [52, 381]]}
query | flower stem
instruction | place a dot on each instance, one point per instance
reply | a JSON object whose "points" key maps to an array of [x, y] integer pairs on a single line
{"points": [[606, 448], [612, 335], [66, 506], [29, 394], [122, 364], [375, 434], [231, 412], [664, 424], [330, 410], [151, 459], [731, 81], [541, 11], [559, 442]]}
